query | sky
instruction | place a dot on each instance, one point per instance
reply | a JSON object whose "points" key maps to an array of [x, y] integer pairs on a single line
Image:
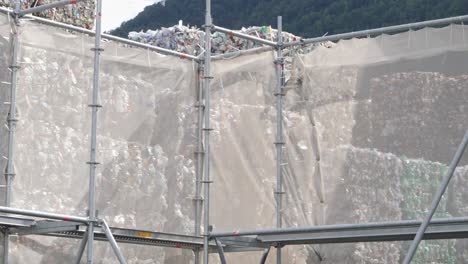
{"points": [[114, 12]]}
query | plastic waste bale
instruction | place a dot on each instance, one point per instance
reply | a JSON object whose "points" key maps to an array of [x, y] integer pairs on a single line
{"points": [[179, 38], [80, 14], [189, 39]]}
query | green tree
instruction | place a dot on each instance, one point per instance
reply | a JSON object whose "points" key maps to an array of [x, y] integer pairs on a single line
{"points": [[308, 18]]}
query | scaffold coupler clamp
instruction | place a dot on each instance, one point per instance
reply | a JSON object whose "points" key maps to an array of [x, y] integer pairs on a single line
{"points": [[199, 104], [278, 245], [14, 67], [15, 14], [210, 26], [96, 220], [207, 182], [199, 198], [280, 45], [11, 120], [279, 61], [10, 175]]}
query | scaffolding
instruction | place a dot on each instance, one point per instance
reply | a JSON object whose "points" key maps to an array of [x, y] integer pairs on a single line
{"points": [[92, 227]]}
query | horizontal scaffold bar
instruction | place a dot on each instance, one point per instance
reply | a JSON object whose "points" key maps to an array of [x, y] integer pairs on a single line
{"points": [[75, 230], [105, 36], [244, 36], [47, 6], [378, 31], [62, 217], [385, 231]]}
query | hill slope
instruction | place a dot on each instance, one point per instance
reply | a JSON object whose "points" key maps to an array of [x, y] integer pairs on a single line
{"points": [[306, 18]]}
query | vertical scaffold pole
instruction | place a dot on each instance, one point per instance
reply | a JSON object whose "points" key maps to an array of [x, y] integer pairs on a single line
{"points": [[207, 129], [11, 120], [279, 132], [199, 154], [93, 138]]}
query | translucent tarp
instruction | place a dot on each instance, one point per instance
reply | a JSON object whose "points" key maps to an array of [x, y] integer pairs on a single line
{"points": [[370, 126], [4, 93], [145, 142], [388, 114]]}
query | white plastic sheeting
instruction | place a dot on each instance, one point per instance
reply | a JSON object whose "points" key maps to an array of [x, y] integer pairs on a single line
{"points": [[388, 115], [370, 126], [145, 142]]}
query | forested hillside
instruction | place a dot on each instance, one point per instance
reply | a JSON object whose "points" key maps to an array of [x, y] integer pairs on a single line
{"points": [[306, 18]]}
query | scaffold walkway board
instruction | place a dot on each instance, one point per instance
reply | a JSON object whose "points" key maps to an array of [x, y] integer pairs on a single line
{"points": [[373, 232], [29, 226], [140, 237], [249, 240]]}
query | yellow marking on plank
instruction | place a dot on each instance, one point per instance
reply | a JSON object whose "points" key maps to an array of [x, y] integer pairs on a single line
{"points": [[144, 234]]}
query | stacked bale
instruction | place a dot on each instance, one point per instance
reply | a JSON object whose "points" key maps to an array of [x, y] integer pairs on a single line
{"points": [[80, 14]]}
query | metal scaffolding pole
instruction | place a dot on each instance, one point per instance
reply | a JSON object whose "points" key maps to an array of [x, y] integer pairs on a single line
{"points": [[207, 129], [113, 243], [12, 120], [41, 8], [105, 36], [378, 31], [458, 221], [82, 248], [199, 154], [435, 203], [265, 255], [279, 133], [93, 138], [222, 257], [150, 47], [235, 54], [61, 217], [244, 36]]}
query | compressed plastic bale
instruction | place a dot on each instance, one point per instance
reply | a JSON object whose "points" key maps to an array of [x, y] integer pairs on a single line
{"points": [[426, 107], [420, 180], [80, 14], [361, 186], [411, 110], [189, 39], [457, 207]]}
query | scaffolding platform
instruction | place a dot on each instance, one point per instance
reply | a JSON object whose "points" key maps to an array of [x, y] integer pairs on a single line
{"points": [[373, 232], [29, 226]]}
